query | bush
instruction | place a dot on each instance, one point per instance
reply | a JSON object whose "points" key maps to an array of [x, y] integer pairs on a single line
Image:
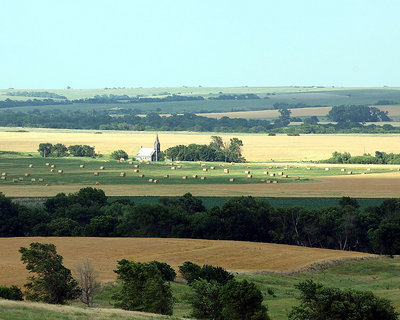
{"points": [[11, 293], [191, 271], [119, 154], [167, 273]]}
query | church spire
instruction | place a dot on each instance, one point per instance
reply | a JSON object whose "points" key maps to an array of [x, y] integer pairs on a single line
{"points": [[157, 146]]}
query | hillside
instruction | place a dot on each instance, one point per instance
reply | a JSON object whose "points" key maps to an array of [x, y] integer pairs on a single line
{"points": [[105, 252]]}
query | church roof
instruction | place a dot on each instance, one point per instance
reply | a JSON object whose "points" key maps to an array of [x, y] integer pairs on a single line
{"points": [[145, 152]]}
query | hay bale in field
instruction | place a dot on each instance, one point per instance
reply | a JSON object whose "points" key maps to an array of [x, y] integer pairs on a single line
{"points": [[199, 162], [27, 174], [226, 170], [53, 166], [82, 166], [308, 168], [363, 172], [270, 167], [266, 172], [350, 172], [47, 164], [205, 169], [3, 178], [232, 180], [286, 168], [184, 177], [262, 180], [247, 172], [52, 170], [156, 181], [136, 166], [250, 176], [268, 181], [166, 176], [343, 170], [41, 180], [194, 176], [327, 169], [47, 185], [178, 162], [248, 167], [212, 168], [179, 167], [203, 165], [285, 176], [97, 183], [121, 159], [369, 169], [203, 178], [21, 179], [222, 165], [61, 171], [151, 180], [95, 174], [122, 174], [272, 174], [4, 174], [130, 162], [141, 176], [15, 180], [33, 180], [31, 166], [297, 178], [275, 181], [173, 168], [147, 163], [232, 163], [280, 173], [102, 168], [136, 170]]}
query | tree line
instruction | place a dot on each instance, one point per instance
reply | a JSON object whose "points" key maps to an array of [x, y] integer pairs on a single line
{"points": [[379, 158], [60, 150], [89, 213]]}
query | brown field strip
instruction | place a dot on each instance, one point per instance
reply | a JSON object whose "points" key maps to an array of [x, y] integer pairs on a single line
{"points": [[257, 147], [385, 185], [239, 256]]}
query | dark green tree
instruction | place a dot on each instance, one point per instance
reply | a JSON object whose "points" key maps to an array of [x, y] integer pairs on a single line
{"points": [[320, 303], [242, 300], [119, 154], [167, 273], [190, 271], [45, 149], [205, 299], [11, 293], [53, 283], [143, 288]]}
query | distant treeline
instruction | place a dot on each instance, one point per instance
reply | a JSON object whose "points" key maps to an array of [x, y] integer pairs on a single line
{"points": [[60, 150], [37, 94], [379, 158], [101, 120], [89, 213]]}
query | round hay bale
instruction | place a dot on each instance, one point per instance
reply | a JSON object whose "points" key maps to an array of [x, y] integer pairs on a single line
{"points": [[205, 169], [130, 162], [275, 181], [350, 172], [179, 167], [151, 180], [156, 181], [369, 169], [266, 172], [52, 170], [122, 174], [280, 173], [33, 180], [27, 174], [53, 166], [232, 180], [212, 168], [4, 174], [184, 177], [136, 166], [199, 162], [82, 166], [297, 178], [102, 168], [141, 176], [195, 176], [203, 178], [97, 183], [3, 178], [285, 176], [31, 166], [173, 168], [47, 185], [47, 164], [268, 181], [178, 162], [327, 169], [343, 170], [147, 163], [166, 176], [308, 168], [203, 165], [226, 170], [250, 176], [262, 180], [270, 167], [121, 159], [136, 170], [95, 174], [247, 172], [272, 174], [14, 180], [61, 171], [21, 179], [41, 180]]}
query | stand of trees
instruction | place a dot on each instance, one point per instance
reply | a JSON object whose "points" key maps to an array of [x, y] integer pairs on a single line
{"points": [[379, 158], [88, 213], [60, 150], [359, 113]]}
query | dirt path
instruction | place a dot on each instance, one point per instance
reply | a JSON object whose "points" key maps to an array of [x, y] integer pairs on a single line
{"points": [[105, 252]]}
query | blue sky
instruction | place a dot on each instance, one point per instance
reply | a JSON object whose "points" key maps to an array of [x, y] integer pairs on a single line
{"points": [[96, 44]]}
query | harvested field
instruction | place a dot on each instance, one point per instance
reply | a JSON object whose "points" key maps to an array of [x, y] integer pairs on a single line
{"points": [[257, 147], [104, 253]]}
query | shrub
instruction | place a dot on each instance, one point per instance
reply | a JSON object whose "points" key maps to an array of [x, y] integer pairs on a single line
{"points": [[118, 154], [11, 293]]}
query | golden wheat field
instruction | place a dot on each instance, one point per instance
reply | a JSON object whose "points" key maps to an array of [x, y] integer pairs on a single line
{"points": [[237, 256], [256, 147], [393, 110]]}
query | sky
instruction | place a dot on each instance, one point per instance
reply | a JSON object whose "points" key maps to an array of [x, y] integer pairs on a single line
{"points": [[168, 43]]}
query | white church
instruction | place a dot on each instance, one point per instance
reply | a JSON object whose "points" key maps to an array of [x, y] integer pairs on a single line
{"points": [[149, 154]]}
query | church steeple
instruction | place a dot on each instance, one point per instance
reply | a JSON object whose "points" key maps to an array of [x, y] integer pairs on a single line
{"points": [[157, 147]]}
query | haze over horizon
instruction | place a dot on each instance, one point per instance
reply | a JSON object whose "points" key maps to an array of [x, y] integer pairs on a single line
{"points": [[97, 44]]}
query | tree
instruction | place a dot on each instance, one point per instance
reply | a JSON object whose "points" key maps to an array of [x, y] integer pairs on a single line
{"points": [[320, 303], [54, 282], [59, 150], [190, 271], [11, 293], [167, 273], [205, 299], [143, 288], [242, 300], [87, 282], [217, 143], [45, 149], [119, 154]]}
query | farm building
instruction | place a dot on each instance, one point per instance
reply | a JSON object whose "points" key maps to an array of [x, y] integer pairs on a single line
{"points": [[149, 154]]}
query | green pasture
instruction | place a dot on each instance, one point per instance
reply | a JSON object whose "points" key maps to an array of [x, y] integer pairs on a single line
{"points": [[17, 167]]}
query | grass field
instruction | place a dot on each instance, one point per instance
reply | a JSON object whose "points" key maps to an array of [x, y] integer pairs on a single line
{"points": [[256, 147]]}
